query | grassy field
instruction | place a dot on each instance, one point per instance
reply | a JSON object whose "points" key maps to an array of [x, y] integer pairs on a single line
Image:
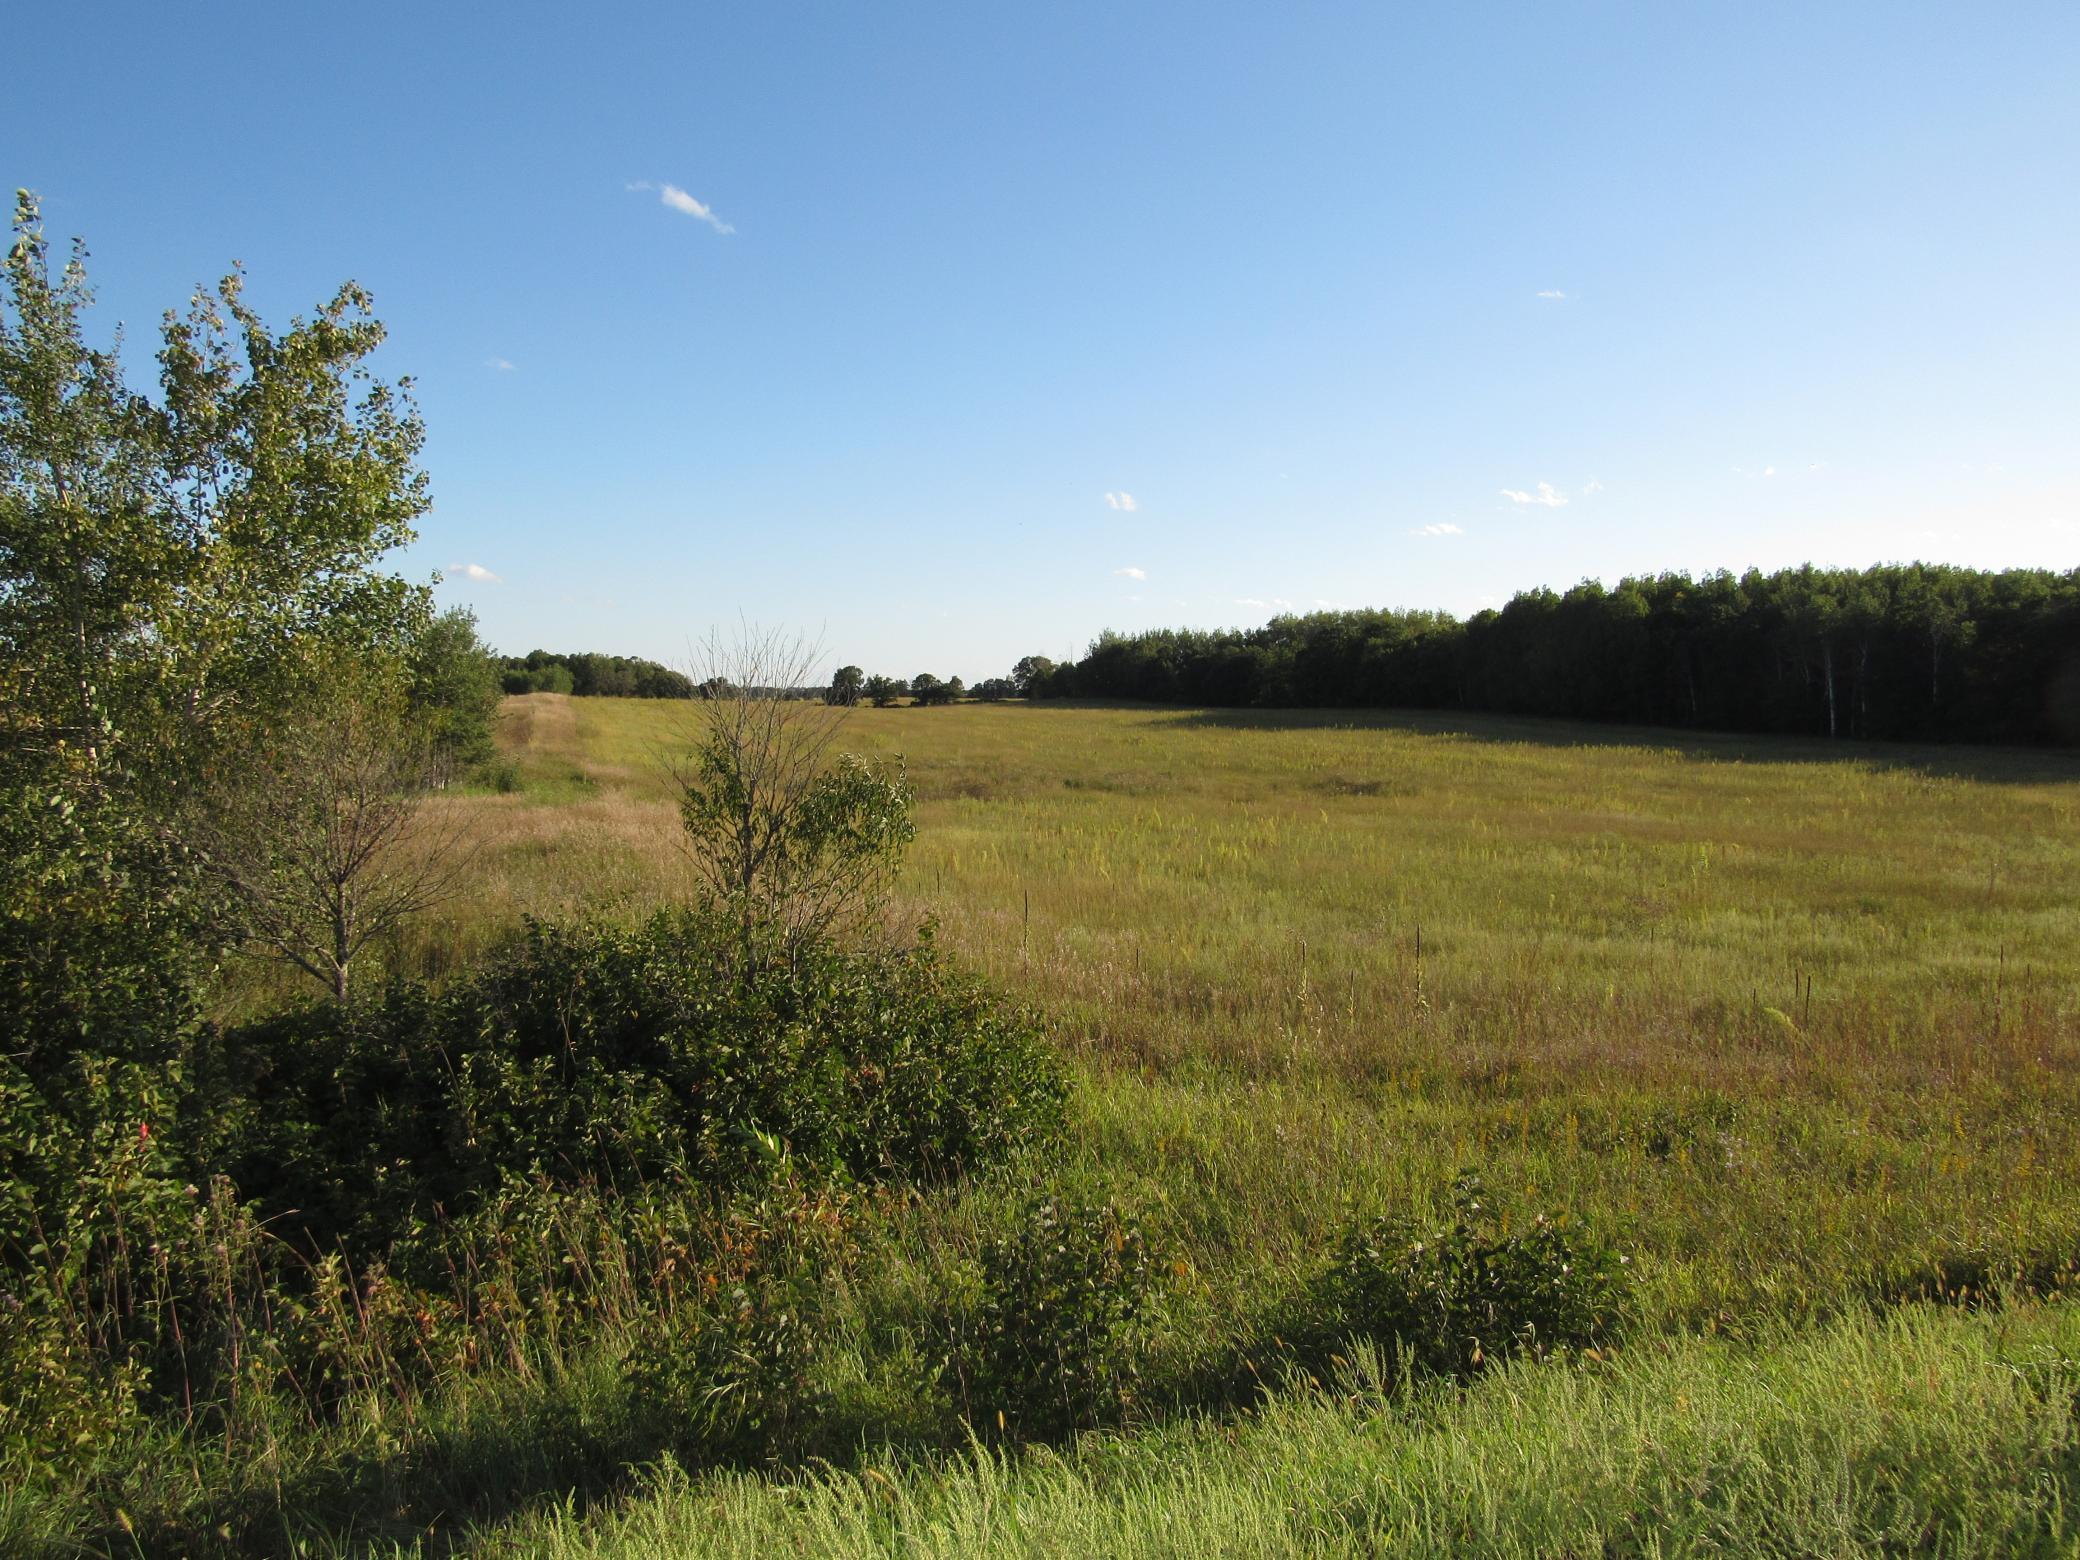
{"points": [[1802, 1021], [1797, 1026], [1926, 1434]]}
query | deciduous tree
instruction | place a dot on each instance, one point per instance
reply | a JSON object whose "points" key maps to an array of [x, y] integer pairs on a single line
{"points": [[1031, 672], [167, 562], [846, 685]]}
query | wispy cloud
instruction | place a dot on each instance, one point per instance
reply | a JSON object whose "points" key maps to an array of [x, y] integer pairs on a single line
{"points": [[671, 195], [1591, 486], [1132, 572], [1442, 528], [1258, 604], [503, 365], [1120, 501], [1544, 496], [472, 571], [1553, 293]]}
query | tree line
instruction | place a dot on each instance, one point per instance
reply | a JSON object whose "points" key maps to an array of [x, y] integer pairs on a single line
{"points": [[1914, 651], [592, 675], [851, 685]]}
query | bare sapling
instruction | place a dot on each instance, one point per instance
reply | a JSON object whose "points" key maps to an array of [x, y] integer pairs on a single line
{"points": [[788, 835]]}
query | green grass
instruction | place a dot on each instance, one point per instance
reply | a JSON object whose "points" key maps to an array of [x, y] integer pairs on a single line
{"points": [[1796, 1024], [1798, 1021], [1931, 1433], [1248, 890]]}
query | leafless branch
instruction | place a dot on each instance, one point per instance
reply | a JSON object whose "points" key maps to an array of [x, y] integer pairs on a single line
{"points": [[321, 841]]}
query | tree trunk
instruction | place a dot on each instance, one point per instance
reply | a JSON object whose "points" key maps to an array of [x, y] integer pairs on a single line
{"points": [[342, 949], [1863, 690], [1827, 669]]}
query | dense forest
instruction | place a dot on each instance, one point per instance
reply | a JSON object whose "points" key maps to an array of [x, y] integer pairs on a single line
{"points": [[1913, 651], [591, 675]]}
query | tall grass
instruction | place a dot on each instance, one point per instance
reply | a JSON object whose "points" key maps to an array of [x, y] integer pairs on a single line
{"points": [[1800, 1019], [1796, 1024], [1283, 896], [1927, 1434]]}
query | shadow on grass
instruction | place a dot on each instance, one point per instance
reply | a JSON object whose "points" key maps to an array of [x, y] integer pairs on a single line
{"points": [[1986, 765], [555, 1451], [589, 1443], [572, 1447]]}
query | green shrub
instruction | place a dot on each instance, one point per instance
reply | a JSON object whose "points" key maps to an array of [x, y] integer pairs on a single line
{"points": [[100, 968], [623, 1058], [1053, 1344], [729, 1367], [1457, 1298]]}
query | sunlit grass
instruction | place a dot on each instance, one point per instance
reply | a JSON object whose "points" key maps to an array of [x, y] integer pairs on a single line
{"points": [[1275, 894], [1799, 1020], [1795, 1025], [1931, 1434]]}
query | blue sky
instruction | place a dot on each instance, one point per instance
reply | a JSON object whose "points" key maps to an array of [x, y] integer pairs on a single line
{"points": [[952, 333]]}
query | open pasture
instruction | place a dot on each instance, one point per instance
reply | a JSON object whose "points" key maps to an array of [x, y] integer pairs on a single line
{"points": [[1801, 1021]]}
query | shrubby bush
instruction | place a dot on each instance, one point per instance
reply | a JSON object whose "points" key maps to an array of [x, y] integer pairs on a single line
{"points": [[1472, 1292], [1052, 1345], [623, 1058], [99, 968], [730, 1363], [603, 1132]]}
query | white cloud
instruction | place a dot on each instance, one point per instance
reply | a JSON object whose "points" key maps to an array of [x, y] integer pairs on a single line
{"points": [[671, 195], [1120, 501], [1275, 604], [1554, 293], [472, 571], [1132, 572], [1769, 471], [499, 363], [1591, 486], [1442, 528], [1545, 496]]}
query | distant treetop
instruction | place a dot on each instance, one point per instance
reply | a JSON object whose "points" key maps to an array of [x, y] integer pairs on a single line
{"points": [[590, 675]]}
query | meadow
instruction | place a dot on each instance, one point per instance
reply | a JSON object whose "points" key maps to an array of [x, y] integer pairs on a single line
{"points": [[1793, 1026], [1800, 1019]]}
